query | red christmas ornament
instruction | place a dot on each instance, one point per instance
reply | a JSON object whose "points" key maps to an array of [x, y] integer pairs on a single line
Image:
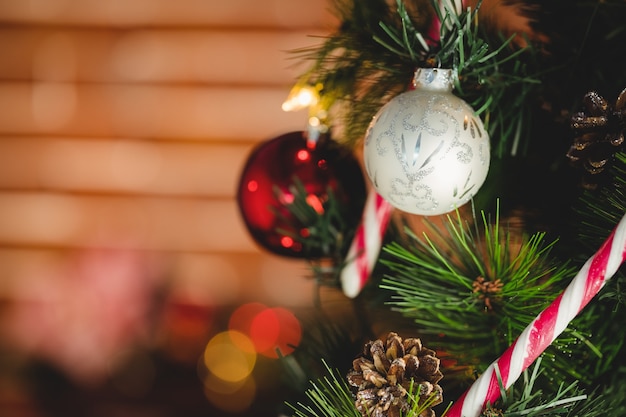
{"points": [[266, 189]]}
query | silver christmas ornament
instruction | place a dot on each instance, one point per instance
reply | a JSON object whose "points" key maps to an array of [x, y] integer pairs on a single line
{"points": [[426, 151]]}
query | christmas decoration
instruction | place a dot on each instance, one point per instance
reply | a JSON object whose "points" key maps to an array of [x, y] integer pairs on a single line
{"points": [[366, 244], [468, 283], [473, 287], [389, 375], [546, 327], [600, 134], [487, 280], [373, 56], [304, 96], [426, 151], [285, 189]]}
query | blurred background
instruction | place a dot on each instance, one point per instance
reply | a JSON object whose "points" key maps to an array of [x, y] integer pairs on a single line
{"points": [[124, 263]]}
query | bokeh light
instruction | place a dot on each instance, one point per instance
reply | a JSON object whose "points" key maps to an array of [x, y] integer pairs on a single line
{"points": [[272, 331], [265, 330], [286, 241], [241, 319], [303, 155], [315, 202], [226, 370], [275, 332], [300, 97], [253, 186], [224, 357]]}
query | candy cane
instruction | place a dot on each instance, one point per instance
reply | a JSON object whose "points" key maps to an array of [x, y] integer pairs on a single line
{"points": [[454, 6], [546, 327], [365, 246]]}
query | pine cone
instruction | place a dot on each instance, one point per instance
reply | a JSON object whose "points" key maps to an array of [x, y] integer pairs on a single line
{"points": [[383, 374], [600, 130]]}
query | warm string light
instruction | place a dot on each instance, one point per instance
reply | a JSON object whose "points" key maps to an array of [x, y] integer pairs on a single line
{"points": [[301, 97], [305, 96]]}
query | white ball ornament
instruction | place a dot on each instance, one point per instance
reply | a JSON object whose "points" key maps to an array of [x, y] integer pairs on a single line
{"points": [[426, 152]]}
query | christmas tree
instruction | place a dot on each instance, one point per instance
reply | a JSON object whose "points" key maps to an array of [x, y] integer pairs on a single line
{"points": [[483, 276]]}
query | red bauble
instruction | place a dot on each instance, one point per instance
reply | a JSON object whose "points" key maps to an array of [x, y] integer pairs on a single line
{"points": [[267, 183]]}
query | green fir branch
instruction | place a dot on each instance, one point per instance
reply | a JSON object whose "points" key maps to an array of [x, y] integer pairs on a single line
{"points": [[526, 399], [434, 278], [600, 210], [597, 213], [373, 55], [328, 397], [489, 76], [331, 396], [327, 232]]}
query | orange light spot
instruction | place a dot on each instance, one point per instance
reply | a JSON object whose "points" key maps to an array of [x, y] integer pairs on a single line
{"points": [[275, 330], [290, 331], [265, 330], [241, 319], [315, 202], [230, 356]]}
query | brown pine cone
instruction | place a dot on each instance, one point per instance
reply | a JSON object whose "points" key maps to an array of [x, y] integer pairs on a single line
{"points": [[600, 130], [382, 377]]}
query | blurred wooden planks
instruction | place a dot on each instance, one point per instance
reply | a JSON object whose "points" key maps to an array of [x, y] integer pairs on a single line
{"points": [[209, 278], [122, 166], [160, 83], [145, 111], [127, 123], [122, 55], [62, 220], [227, 13]]}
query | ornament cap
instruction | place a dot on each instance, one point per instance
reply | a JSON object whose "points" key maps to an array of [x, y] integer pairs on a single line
{"points": [[433, 79]]}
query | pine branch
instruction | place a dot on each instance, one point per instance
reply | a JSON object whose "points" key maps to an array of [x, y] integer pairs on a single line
{"points": [[331, 397], [524, 398], [475, 287], [328, 232], [374, 54], [597, 212]]}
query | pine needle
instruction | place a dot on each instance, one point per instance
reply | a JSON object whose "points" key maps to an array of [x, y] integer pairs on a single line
{"points": [[373, 56], [474, 290], [525, 399], [330, 396]]}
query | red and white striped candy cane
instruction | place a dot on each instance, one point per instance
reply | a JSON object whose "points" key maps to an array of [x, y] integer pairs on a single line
{"points": [[455, 6], [546, 327], [366, 245]]}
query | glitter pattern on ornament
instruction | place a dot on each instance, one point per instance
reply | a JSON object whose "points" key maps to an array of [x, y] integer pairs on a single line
{"points": [[426, 151]]}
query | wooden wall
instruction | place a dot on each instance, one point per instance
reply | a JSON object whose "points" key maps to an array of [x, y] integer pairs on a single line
{"points": [[126, 124]]}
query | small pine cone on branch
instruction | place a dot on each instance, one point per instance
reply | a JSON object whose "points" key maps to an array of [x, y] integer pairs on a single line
{"points": [[385, 373]]}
